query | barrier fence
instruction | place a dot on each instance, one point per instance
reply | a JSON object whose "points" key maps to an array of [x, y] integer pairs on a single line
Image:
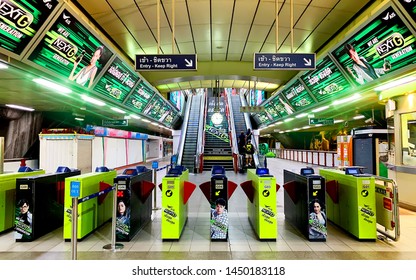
{"points": [[322, 158]]}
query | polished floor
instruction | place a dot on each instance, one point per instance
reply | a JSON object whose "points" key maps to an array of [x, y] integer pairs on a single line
{"points": [[195, 243]]}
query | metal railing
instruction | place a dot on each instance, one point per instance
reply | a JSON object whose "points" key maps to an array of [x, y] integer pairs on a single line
{"points": [[323, 158]]}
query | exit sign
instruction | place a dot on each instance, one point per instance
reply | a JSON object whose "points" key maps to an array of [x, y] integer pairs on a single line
{"points": [[115, 122], [321, 121]]}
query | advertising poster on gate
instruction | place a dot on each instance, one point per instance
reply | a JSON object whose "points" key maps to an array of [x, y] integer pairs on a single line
{"points": [[23, 216], [68, 49], [21, 20], [381, 47], [317, 208], [123, 212]]}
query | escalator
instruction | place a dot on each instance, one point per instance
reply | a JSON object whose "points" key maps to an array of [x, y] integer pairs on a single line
{"points": [[189, 151], [217, 148]]}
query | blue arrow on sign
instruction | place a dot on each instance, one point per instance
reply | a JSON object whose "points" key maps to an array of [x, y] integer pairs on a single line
{"points": [[165, 62], [284, 61]]}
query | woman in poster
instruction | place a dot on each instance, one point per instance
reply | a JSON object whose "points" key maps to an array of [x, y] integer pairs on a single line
{"points": [[88, 72], [123, 219], [317, 221]]}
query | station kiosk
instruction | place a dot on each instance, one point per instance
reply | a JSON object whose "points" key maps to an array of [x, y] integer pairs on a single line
{"points": [[261, 189], [95, 204], [176, 191], [351, 201], [218, 191], [8, 195], [134, 203], [40, 203], [305, 203]]}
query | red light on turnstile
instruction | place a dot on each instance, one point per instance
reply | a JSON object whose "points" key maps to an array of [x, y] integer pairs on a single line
{"points": [[387, 203], [393, 224]]}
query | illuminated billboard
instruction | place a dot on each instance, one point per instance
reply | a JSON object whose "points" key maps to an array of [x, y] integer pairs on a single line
{"points": [[21, 20], [159, 109], [297, 96], [326, 81], [117, 82], [381, 47], [139, 99], [70, 50]]}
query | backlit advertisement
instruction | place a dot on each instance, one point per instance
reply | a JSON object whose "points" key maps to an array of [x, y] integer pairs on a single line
{"points": [[326, 81], [381, 47], [297, 96], [71, 51], [159, 110], [20, 20], [139, 99], [117, 82]]}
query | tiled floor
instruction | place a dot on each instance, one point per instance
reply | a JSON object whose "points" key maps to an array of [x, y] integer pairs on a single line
{"points": [[195, 243]]}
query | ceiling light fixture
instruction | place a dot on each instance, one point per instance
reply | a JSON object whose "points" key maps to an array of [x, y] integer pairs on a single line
{"points": [[56, 87], [135, 116], [320, 109], [348, 99], [288, 119], [79, 119], [3, 66], [20, 107], [301, 115], [338, 121], [396, 83], [359, 117], [92, 100], [118, 110]]}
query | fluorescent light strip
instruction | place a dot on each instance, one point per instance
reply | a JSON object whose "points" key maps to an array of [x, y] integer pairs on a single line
{"points": [[301, 115], [338, 121], [118, 110], [359, 117], [20, 107], [348, 99], [288, 119], [92, 100], [306, 127], [320, 109], [396, 83], [146, 120], [135, 116], [79, 119], [52, 85], [3, 66]]}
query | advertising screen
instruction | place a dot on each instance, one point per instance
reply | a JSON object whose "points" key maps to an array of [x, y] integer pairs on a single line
{"points": [[117, 82], [71, 51], [177, 98], [159, 110], [381, 47], [410, 7], [141, 96], [20, 20], [326, 81], [256, 97], [297, 96]]}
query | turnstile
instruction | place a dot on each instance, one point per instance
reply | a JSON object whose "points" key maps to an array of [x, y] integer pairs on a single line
{"points": [[305, 203], [134, 203], [40, 203], [261, 189]]}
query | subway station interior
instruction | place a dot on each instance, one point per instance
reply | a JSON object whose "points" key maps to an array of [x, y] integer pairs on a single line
{"points": [[207, 130]]}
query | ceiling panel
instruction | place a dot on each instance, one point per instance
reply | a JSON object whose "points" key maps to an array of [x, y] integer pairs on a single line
{"points": [[311, 18]]}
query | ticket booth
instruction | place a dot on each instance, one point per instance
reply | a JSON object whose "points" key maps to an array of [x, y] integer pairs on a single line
{"points": [[134, 203]]}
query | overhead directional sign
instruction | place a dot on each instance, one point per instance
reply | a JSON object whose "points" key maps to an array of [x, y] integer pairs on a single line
{"points": [[321, 121], [115, 122], [165, 62], [284, 61]]}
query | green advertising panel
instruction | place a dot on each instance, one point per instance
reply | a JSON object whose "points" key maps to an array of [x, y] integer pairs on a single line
{"points": [[277, 108], [117, 82], [20, 20], [263, 118], [410, 7], [297, 96], [271, 112], [71, 51], [381, 47], [141, 96], [158, 109], [326, 81]]}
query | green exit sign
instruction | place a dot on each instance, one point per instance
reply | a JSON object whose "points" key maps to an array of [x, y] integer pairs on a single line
{"points": [[320, 121], [115, 122]]}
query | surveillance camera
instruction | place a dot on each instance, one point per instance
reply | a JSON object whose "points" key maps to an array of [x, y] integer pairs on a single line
{"points": [[370, 120]]}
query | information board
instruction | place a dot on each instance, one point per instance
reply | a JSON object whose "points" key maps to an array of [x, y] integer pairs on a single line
{"points": [[141, 96], [70, 50], [118, 81], [381, 47], [297, 96], [21, 20], [326, 81]]}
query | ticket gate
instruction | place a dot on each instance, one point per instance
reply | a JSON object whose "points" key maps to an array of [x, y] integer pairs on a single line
{"points": [[305, 203], [218, 191], [261, 189], [8, 195], [95, 204], [40, 203], [351, 201], [176, 191], [134, 203]]}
